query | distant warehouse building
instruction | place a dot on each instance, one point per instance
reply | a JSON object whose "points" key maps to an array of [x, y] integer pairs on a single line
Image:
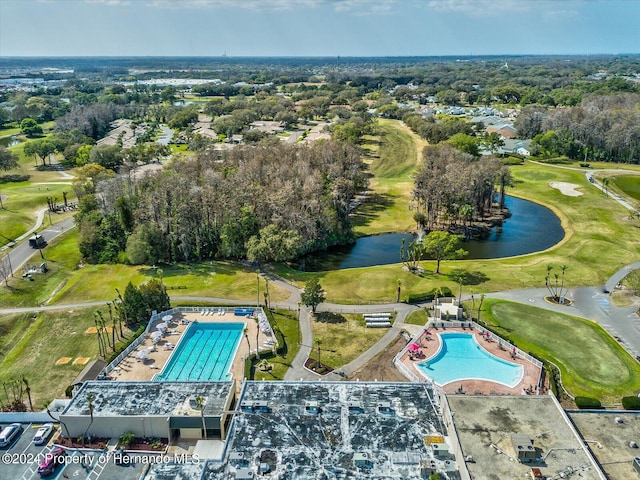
{"points": [[151, 409]]}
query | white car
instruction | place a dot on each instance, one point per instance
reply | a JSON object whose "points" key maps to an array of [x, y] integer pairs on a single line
{"points": [[43, 434]]}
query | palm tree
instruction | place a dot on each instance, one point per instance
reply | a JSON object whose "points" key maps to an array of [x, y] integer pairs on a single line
{"points": [[101, 350], [318, 342], [466, 213], [605, 186], [562, 268], [257, 335], [480, 306], [66, 430], [200, 401], [90, 398], [27, 389]]}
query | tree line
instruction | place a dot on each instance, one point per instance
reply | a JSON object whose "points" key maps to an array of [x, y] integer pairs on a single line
{"points": [[602, 128], [270, 202], [453, 189]]}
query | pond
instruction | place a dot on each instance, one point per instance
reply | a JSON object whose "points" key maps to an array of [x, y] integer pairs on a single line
{"points": [[9, 142], [531, 228]]}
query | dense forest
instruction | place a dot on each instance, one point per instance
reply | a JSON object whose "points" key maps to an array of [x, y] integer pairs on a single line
{"points": [[269, 202], [267, 199], [453, 189]]}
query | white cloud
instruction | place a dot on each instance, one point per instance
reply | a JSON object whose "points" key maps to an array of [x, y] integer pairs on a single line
{"points": [[552, 8], [110, 2], [357, 6]]}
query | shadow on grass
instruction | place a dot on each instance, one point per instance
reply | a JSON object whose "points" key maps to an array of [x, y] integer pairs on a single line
{"points": [[329, 317], [468, 278], [371, 208], [202, 269]]}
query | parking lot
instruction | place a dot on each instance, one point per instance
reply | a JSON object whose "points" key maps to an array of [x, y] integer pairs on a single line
{"points": [[21, 458]]}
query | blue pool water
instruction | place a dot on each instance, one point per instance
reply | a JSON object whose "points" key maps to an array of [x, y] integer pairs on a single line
{"points": [[461, 358], [204, 353]]}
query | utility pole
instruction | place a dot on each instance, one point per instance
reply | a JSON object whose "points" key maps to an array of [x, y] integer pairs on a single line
{"points": [[10, 266]]}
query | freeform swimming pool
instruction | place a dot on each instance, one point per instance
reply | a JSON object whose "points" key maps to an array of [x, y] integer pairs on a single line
{"points": [[461, 358], [205, 353]]}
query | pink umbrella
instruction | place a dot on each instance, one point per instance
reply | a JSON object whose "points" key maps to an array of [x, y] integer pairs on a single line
{"points": [[414, 347]]}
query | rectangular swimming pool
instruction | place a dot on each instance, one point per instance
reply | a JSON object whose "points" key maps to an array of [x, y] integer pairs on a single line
{"points": [[205, 353]]}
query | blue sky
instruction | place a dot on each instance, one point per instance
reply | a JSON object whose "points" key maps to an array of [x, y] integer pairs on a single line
{"points": [[317, 27]]}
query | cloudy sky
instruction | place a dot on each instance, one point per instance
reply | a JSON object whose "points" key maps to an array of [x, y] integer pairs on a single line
{"points": [[317, 27]]}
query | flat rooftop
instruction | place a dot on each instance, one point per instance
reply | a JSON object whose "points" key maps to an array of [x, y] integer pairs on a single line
{"points": [[485, 425], [345, 429], [608, 435], [149, 398]]}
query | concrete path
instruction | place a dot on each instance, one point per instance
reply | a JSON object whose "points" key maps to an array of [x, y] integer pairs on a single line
{"points": [[592, 303], [589, 302]]}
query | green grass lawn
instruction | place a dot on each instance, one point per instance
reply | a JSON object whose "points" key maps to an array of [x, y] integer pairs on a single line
{"points": [[600, 238], [62, 257], [31, 345], [288, 324], [23, 201], [629, 184], [343, 338], [391, 156], [417, 317], [208, 279], [590, 360]]}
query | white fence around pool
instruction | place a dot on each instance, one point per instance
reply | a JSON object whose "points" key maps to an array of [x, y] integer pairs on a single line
{"points": [[456, 324], [156, 318]]}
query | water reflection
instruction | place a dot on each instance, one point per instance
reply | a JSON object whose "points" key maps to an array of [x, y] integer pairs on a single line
{"points": [[531, 228]]}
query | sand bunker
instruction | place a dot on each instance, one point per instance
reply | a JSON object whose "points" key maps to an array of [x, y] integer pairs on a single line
{"points": [[81, 361], [568, 189], [63, 360]]}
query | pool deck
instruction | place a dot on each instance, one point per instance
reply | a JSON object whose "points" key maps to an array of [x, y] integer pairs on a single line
{"points": [[430, 345], [133, 369]]}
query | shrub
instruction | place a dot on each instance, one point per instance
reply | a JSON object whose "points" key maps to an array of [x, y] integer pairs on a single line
{"points": [[429, 296], [631, 403], [587, 402], [68, 392], [15, 177]]}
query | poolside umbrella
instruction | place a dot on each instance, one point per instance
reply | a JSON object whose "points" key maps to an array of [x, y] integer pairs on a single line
{"points": [[413, 347], [166, 318], [142, 354], [156, 335], [161, 326]]}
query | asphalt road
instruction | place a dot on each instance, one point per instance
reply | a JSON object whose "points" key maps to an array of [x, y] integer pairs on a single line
{"points": [[20, 253]]}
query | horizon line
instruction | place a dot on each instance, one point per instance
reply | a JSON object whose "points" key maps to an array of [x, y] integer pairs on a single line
{"points": [[471, 55]]}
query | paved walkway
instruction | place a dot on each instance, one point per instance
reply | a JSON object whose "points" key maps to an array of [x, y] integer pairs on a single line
{"points": [[589, 302]]}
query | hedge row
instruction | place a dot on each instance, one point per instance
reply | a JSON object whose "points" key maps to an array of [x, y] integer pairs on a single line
{"points": [[631, 403], [587, 402], [429, 296], [15, 177]]}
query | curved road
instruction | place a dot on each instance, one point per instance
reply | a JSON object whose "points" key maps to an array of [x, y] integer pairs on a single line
{"points": [[591, 303]]}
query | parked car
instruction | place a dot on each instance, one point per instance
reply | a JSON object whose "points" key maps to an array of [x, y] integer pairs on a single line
{"points": [[9, 434], [43, 434], [51, 461]]}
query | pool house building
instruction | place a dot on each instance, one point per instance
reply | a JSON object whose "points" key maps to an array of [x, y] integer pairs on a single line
{"points": [[151, 409]]}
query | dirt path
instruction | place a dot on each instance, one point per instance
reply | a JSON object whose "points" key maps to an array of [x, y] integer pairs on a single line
{"points": [[381, 367]]}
